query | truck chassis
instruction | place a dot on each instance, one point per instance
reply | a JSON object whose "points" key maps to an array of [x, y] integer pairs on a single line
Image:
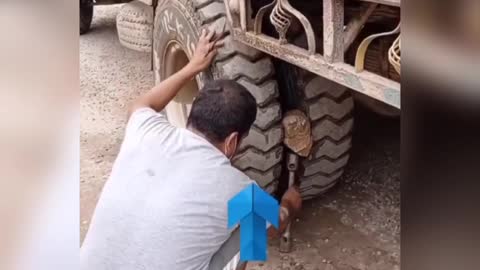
{"points": [[331, 64]]}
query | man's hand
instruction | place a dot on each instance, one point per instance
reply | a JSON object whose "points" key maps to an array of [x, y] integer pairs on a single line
{"points": [[292, 200], [163, 93], [205, 51]]}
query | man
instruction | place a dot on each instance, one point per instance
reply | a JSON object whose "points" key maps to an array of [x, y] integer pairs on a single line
{"points": [[165, 203]]}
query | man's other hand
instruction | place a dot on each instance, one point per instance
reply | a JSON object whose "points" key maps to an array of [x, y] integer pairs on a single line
{"points": [[206, 50], [165, 91], [292, 200]]}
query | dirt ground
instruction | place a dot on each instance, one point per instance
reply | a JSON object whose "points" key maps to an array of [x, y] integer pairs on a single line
{"points": [[355, 226]]}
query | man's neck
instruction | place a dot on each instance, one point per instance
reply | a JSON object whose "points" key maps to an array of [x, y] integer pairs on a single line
{"points": [[219, 146]]}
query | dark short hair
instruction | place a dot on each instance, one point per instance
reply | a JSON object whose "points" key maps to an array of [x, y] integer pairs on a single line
{"points": [[221, 108]]}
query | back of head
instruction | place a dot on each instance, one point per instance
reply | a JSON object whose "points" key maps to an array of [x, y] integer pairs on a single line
{"points": [[221, 108]]}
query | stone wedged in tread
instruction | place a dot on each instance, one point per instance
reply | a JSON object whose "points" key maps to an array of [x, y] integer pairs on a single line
{"points": [[135, 26]]}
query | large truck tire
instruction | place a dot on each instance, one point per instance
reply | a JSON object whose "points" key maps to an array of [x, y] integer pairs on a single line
{"points": [[329, 107], [86, 15], [177, 28], [135, 26]]}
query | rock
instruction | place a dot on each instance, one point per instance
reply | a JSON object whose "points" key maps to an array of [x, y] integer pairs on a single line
{"points": [[298, 267], [329, 267], [345, 220]]}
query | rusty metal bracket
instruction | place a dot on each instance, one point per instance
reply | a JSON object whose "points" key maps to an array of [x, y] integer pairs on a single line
{"points": [[333, 27], [368, 83], [394, 54], [281, 19], [362, 49], [257, 28], [312, 47]]}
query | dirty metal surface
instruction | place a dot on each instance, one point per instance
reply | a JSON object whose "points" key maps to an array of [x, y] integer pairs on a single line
{"points": [[365, 82], [298, 134], [111, 2], [395, 3], [333, 17]]}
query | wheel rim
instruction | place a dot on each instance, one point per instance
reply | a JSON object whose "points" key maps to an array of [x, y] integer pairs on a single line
{"points": [[175, 58]]}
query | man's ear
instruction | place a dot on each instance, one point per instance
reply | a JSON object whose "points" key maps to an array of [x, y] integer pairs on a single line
{"points": [[231, 144]]}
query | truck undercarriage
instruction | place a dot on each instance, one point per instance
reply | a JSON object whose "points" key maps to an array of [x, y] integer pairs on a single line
{"points": [[316, 57], [350, 45]]}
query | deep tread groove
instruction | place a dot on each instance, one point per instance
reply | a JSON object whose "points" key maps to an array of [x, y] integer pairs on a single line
{"points": [[340, 121], [255, 153], [332, 147], [264, 80], [328, 158], [314, 178], [337, 100]]}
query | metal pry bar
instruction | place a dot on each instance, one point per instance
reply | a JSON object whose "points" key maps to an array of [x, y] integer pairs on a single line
{"points": [[292, 165]]}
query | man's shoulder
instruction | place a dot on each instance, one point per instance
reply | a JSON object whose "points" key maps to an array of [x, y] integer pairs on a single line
{"points": [[146, 123], [237, 178]]}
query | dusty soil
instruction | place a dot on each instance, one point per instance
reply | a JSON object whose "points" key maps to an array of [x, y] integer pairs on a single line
{"points": [[354, 226]]}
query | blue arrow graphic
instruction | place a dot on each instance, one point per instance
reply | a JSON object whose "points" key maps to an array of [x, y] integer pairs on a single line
{"points": [[253, 207]]}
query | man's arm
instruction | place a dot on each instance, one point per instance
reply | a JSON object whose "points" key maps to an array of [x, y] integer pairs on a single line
{"points": [[289, 207], [163, 93]]}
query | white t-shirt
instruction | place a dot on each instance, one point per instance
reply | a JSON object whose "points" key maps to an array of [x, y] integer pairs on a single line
{"points": [[165, 203]]}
